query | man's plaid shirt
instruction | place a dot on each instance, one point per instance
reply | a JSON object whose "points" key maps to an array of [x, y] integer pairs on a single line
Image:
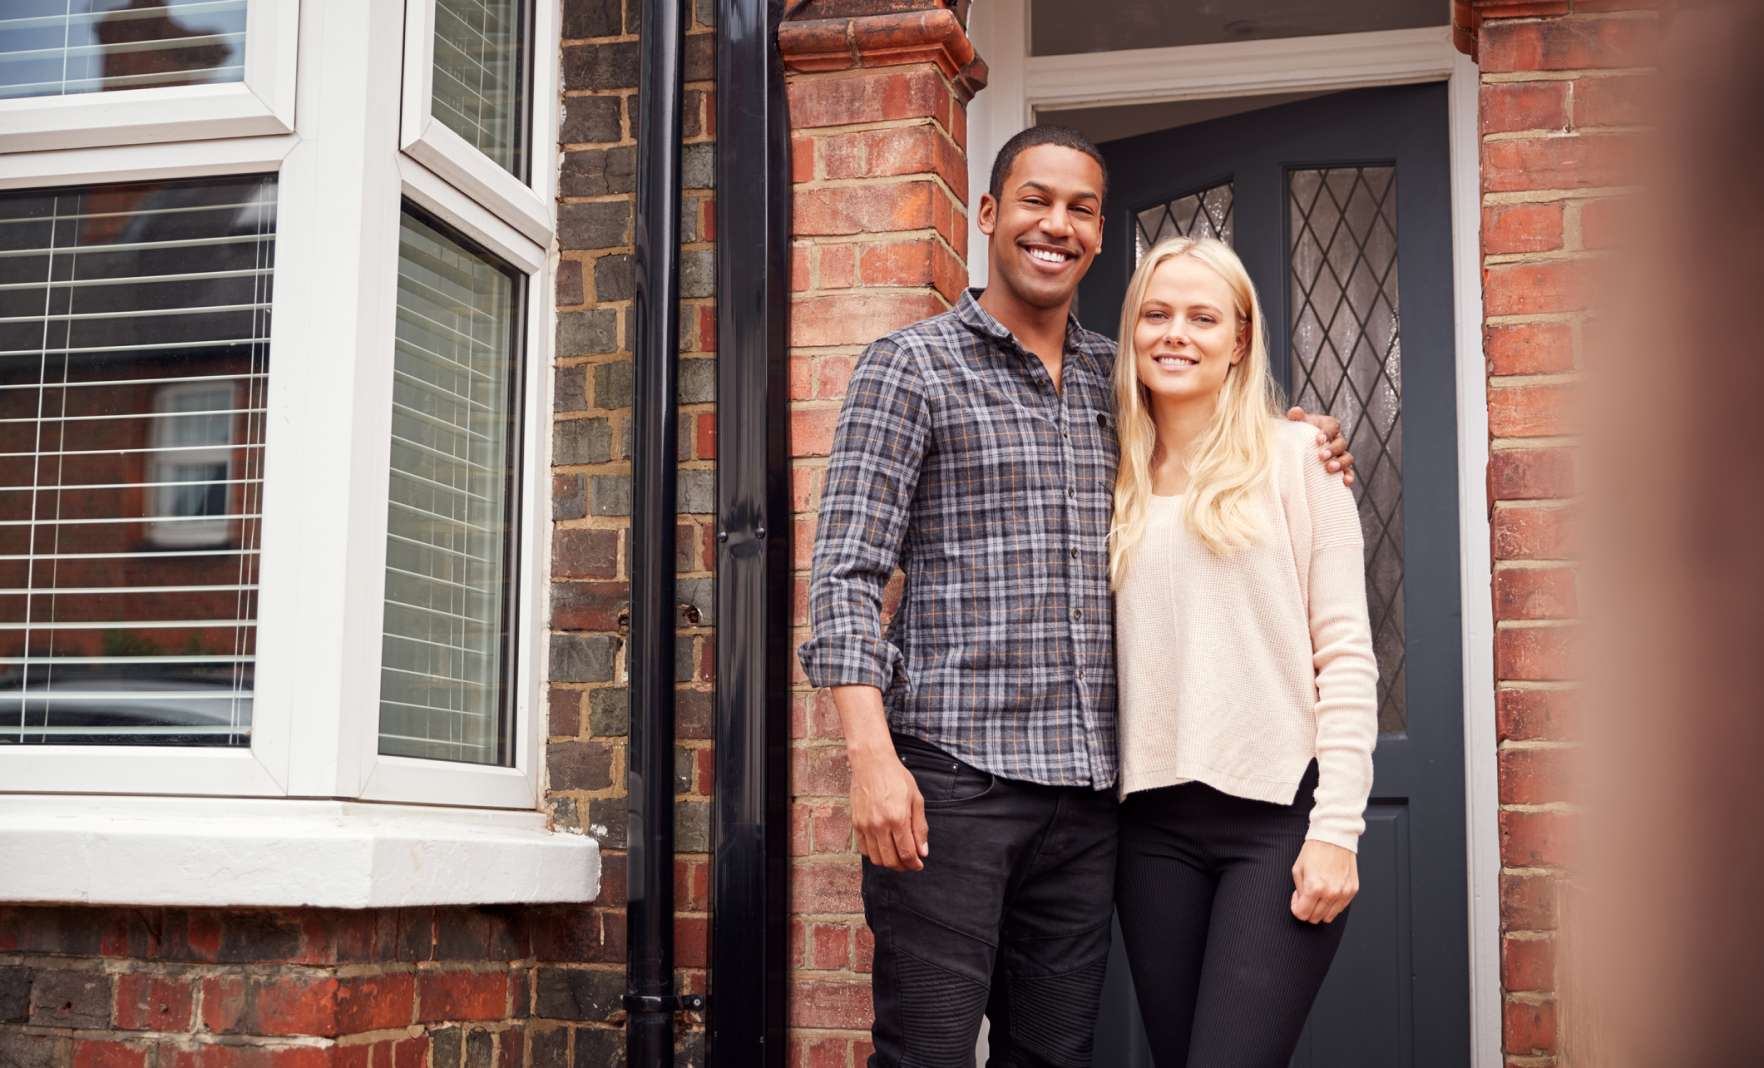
{"points": [[957, 460]]}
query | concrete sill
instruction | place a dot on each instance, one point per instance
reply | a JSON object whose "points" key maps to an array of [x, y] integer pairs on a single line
{"points": [[284, 853]]}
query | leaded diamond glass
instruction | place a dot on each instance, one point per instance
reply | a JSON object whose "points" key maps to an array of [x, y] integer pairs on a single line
{"points": [[1205, 213], [1347, 361]]}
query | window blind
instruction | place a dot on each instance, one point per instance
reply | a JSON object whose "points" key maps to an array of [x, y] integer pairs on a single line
{"points": [[480, 76], [134, 354], [450, 523], [59, 47]]}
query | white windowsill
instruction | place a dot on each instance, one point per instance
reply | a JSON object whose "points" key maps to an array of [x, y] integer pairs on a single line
{"points": [[257, 852]]}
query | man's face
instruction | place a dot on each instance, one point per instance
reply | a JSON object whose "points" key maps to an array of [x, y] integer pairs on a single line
{"points": [[1045, 228]]}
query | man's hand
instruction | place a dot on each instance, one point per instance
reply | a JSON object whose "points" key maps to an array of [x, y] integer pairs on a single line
{"points": [[1332, 448], [887, 810]]}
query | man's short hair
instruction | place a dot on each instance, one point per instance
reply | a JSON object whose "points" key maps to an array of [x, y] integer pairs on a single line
{"points": [[1063, 136]]}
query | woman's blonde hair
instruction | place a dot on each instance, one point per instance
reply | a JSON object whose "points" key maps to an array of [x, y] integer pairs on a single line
{"points": [[1233, 456]]}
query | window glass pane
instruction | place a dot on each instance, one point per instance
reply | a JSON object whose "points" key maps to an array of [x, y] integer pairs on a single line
{"points": [[1206, 213], [1347, 360], [480, 76], [56, 47], [450, 527], [1068, 27], [134, 353]]}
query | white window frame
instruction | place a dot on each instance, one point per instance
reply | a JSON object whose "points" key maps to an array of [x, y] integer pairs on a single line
{"points": [[262, 103], [527, 206], [343, 176]]}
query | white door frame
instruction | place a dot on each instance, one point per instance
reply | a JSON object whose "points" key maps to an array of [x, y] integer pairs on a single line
{"points": [[1020, 84]]}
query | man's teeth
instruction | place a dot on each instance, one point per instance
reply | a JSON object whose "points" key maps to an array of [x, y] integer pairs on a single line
{"points": [[1046, 256]]}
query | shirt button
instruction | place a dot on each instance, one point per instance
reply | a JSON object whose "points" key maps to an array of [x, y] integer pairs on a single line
{"points": [[1074, 553], [1072, 491], [1077, 614], [1080, 674]]}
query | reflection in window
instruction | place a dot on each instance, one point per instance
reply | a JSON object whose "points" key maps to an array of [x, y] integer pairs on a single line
{"points": [[60, 47], [188, 469], [134, 354], [480, 76], [1204, 213], [1347, 360], [450, 526]]}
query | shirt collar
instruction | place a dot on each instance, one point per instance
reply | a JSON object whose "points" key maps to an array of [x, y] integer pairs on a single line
{"points": [[977, 318]]}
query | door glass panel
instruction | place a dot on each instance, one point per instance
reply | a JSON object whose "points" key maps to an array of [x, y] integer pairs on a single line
{"points": [[1347, 361], [1205, 213]]}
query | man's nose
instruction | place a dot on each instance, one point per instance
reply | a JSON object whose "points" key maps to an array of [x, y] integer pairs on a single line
{"points": [[1057, 222]]}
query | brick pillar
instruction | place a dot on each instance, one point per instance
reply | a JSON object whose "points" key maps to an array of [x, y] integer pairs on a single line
{"points": [[878, 96], [1559, 129], [582, 951]]}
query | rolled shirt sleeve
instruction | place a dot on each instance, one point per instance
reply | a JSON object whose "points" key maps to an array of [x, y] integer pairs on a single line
{"points": [[878, 447]]}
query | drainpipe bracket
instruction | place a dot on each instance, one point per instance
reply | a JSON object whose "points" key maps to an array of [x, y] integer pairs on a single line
{"points": [[664, 1003]]}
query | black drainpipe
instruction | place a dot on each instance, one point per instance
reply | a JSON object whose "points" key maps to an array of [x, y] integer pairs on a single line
{"points": [[650, 999], [748, 971]]}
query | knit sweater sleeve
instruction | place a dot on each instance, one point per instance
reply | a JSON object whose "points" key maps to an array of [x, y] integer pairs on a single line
{"points": [[1341, 655]]}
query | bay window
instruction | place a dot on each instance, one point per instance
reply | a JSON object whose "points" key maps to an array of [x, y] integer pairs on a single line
{"points": [[273, 369]]}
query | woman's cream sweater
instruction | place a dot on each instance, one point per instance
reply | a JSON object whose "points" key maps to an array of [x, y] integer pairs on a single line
{"points": [[1237, 670]]}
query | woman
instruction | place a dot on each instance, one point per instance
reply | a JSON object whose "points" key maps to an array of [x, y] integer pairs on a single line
{"points": [[1248, 701]]}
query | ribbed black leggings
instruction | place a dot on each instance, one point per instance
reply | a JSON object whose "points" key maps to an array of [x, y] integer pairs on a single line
{"points": [[1225, 974]]}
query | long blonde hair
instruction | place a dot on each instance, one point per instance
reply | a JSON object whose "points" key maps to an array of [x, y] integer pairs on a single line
{"points": [[1233, 455]]}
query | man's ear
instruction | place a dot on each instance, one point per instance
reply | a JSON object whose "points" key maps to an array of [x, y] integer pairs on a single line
{"points": [[987, 218]]}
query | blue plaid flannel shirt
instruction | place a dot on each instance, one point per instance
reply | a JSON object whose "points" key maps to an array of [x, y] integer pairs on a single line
{"points": [[956, 460]]}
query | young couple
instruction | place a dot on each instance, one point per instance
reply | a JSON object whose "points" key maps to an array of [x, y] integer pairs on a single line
{"points": [[1131, 668]]}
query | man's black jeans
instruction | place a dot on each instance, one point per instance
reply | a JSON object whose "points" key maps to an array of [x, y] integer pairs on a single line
{"points": [[1010, 917]]}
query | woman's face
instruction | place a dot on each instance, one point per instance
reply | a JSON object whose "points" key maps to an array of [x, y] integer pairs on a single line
{"points": [[1186, 334]]}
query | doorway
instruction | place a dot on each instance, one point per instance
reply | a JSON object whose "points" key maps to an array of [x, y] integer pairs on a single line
{"points": [[1233, 70], [1339, 206]]}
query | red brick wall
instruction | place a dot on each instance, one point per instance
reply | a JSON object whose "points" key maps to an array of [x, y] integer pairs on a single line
{"points": [[879, 162], [1559, 122], [209, 988], [578, 995]]}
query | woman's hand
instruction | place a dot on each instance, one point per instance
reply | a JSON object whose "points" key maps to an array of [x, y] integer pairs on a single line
{"points": [[1325, 878]]}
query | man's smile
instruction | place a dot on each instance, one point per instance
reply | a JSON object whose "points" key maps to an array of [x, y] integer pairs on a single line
{"points": [[1049, 257]]}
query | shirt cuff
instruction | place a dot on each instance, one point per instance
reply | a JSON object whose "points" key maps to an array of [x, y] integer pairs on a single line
{"points": [[849, 660]]}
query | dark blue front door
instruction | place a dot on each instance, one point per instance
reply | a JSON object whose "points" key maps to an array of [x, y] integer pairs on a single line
{"points": [[1340, 207]]}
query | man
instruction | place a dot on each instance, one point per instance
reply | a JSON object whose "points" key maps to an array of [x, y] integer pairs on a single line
{"points": [[976, 450]]}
